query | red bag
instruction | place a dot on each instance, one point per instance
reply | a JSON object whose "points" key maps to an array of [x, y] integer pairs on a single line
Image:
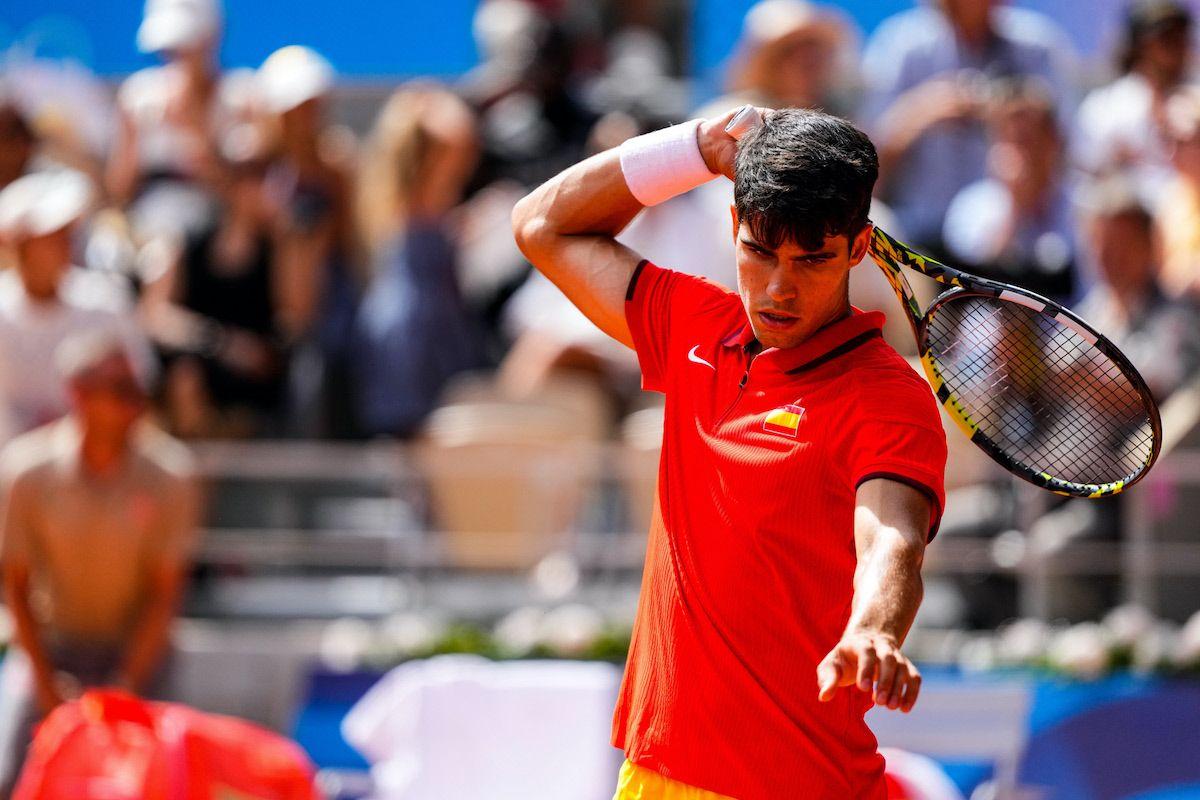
{"points": [[109, 745]]}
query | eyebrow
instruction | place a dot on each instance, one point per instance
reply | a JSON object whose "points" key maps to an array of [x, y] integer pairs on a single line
{"points": [[820, 255]]}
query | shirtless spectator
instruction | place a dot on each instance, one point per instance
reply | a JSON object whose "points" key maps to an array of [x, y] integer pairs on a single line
{"points": [[98, 525]]}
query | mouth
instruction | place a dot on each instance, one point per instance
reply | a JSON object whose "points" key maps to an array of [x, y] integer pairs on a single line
{"points": [[776, 320]]}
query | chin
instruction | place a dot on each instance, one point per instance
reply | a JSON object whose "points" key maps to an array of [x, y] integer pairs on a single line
{"points": [[779, 341]]}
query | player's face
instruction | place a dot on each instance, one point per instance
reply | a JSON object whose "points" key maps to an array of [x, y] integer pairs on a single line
{"points": [[790, 292]]}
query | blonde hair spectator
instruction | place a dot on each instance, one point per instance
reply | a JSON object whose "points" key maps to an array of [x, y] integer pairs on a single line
{"points": [[795, 53], [419, 156]]}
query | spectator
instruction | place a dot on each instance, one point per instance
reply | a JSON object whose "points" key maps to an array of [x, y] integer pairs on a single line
{"points": [[792, 53], [164, 158], [1178, 214], [1160, 335], [1121, 125], [415, 330], [17, 143], [531, 122], [309, 187], [214, 315], [1015, 225], [45, 300], [930, 72], [98, 524]]}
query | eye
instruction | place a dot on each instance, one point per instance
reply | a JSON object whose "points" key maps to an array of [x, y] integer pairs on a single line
{"points": [[753, 248]]}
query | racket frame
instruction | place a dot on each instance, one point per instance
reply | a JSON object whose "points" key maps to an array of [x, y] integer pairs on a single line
{"points": [[891, 255]]}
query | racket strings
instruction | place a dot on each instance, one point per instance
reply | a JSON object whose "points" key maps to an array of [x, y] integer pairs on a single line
{"points": [[1040, 391]]}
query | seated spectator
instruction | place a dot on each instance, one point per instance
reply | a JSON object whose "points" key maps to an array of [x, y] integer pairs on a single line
{"points": [[1161, 336], [415, 331], [1178, 214], [792, 53], [309, 188], [98, 526], [1015, 225], [1120, 126], [929, 73], [165, 154], [45, 300], [214, 316]]}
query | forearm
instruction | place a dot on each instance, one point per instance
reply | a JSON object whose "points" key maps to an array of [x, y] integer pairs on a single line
{"points": [[588, 199], [28, 630], [146, 645], [887, 587]]}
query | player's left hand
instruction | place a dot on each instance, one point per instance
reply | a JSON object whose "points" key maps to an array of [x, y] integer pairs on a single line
{"points": [[872, 662]]}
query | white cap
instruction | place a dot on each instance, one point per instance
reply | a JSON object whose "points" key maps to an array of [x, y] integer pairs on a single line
{"points": [[172, 24], [43, 202], [293, 75]]}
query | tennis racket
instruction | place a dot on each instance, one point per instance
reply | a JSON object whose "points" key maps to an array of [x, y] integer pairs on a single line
{"points": [[1030, 383]]}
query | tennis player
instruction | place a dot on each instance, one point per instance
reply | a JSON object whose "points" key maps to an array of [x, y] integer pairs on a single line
{"points": [[801, 470]]}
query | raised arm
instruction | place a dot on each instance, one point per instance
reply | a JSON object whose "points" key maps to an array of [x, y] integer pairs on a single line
{"points": [[567, 227], [891, 522]]}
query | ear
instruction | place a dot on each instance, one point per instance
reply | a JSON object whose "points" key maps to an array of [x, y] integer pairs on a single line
{"points": [[858, 247], [733, 215]]}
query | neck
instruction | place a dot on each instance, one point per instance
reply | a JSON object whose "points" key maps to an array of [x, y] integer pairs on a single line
{"points": [[975, 35], [1161, 82], [101, 454]]}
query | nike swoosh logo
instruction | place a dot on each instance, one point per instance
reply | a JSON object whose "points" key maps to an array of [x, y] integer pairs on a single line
{"points": [[698, 360]]}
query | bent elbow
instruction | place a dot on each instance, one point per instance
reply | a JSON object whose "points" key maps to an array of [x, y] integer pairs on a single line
{"points": [[530, 228]]}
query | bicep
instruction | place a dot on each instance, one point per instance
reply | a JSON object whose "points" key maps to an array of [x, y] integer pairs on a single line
{"points": [[893, 515], [567, 228]]}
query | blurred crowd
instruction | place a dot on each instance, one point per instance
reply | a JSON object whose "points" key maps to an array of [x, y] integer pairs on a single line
{"points": [[277, 274]]}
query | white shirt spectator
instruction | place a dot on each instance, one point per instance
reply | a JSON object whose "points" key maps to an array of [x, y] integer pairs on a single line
{"points": [[980, 230], [915, 46], [1116, 130], [31, 390]]}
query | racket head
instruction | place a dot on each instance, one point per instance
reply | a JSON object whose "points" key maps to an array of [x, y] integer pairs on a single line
{"points": [[1039, 390]]}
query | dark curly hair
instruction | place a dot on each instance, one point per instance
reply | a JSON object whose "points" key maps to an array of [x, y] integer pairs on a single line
{"points": [[803, 175]]}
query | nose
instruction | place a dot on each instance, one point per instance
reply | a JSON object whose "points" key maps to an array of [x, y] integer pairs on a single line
{"points": [[781, 287]]}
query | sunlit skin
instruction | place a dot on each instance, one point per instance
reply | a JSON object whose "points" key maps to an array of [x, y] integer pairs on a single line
{"points": [[108, 400], [41, 263], [789, 292]]}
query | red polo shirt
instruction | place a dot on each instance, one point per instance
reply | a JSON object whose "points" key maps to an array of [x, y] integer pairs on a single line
{"points": [[749, 569]]}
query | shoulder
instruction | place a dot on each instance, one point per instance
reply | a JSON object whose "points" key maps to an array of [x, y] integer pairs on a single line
{"points": [[146, 89], [880, 384], [685, 291], [908, 31], [1124, 93], [30, 455], [93, 290], [165, 455], [11, 291], [1032, 29], [983, 197]]}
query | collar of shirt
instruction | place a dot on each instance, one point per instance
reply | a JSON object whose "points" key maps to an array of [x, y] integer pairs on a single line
{"points": [[827, 343]]}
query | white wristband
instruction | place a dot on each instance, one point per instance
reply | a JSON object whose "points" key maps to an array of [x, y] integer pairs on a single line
{"points": [[662, 164]]}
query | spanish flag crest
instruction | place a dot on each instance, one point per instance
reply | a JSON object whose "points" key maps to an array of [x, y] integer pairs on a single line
{"points": [[784, 420]]}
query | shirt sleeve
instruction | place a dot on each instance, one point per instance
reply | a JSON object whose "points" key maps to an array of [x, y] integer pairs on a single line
{"points": [[907, 445], [663, 309]]}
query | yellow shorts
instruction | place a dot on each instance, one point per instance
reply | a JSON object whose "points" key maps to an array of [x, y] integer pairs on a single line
{"points": [[639, 783]]}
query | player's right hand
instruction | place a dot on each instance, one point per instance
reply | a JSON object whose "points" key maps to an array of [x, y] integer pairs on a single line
{"points": [[874, 664], [718, 148]]}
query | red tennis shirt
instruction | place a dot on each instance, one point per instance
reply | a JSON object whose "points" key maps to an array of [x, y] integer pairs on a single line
{"points": [[750, 563]]}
